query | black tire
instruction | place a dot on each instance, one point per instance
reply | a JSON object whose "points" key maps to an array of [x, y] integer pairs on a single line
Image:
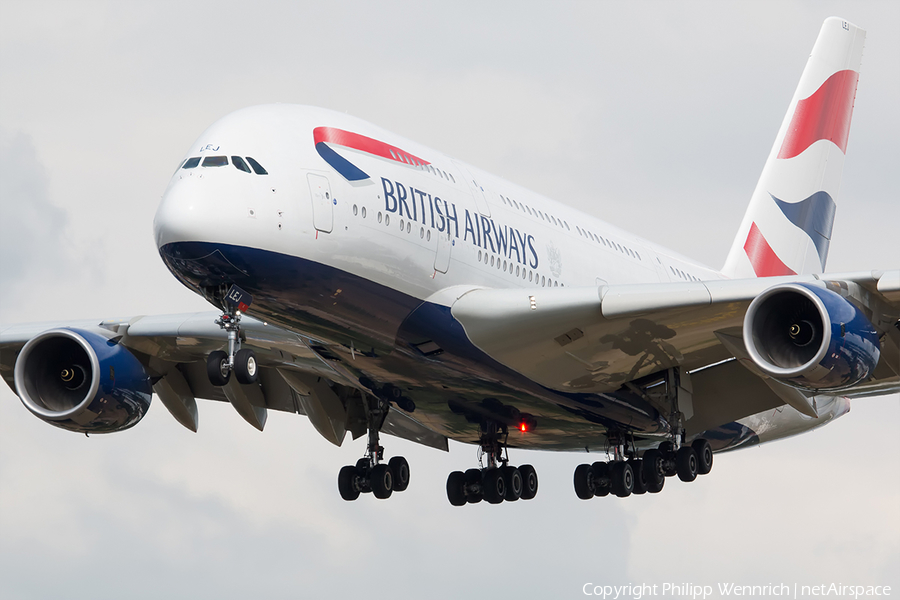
{"points": [[704, 456], [512, 479], [217, 368], [382, 481], [622, 479], [640, 481], [667, 449], [346, 481], [474, 489], [654, 477], [245, 368], [686, 463], [494, 486], [599, 479], [400, 469], [582, 485], [456, 488], [362, 466], [529, 482]]}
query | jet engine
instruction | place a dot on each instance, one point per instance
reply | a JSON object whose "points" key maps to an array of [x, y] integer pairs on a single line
{"points": [[81, 381], [810, 337]]}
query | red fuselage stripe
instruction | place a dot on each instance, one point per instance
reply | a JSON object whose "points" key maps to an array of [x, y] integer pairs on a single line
{"points": [[356, 141]]}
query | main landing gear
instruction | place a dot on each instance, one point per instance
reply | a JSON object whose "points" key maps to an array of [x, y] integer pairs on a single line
{"points": [[241, 361], [623, 477], [370, 473], [497, 480]]}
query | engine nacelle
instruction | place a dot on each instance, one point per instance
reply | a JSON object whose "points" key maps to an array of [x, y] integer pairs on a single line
{"points": [[810, 337], [81, 381]]}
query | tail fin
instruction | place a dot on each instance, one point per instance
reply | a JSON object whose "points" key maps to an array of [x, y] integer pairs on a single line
{"points": [[787, 227]]}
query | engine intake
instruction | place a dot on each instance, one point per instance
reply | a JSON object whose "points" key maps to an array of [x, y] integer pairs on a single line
{"points": [[810, 337], [81, 381]]}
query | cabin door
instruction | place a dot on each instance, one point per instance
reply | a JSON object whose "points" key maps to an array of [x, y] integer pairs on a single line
{"points": [[322, 202]]}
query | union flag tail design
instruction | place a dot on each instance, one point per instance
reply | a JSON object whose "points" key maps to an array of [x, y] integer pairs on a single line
{"points": [[787, 227]]}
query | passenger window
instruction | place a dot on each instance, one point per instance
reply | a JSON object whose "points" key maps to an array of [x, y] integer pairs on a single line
{"points": [[238, 162], [257, 168], [215, 161], [191, 163]]}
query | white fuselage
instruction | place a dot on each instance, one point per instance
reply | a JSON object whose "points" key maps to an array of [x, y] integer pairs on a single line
{"points": [[510, 238]]}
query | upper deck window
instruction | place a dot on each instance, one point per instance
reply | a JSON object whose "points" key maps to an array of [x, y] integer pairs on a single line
{"points": [[239, 163], [215, 161], [191, 163], [257, 168]]}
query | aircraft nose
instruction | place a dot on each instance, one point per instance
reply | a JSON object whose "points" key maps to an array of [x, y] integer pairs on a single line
{"points": [[192, 210]]}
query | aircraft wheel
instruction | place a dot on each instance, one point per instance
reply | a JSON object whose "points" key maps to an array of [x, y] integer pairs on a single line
{"points": [[512, 479], [346, 478], [245, 368], [667, 449], [217, 368], [400, 470], [640, 480], [456, 488], [622, 479], [600, 478], [704, 456], [654, 477], [494, 486], [474, 489], [382, 481], [582, 485], [529, 482], [686, 463]]}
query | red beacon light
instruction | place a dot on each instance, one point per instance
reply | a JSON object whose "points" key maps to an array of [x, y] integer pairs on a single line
{"points": [[527, 423]]}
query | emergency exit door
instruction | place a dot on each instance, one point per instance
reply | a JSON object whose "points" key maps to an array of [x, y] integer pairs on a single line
{"points": [[322, 202]]}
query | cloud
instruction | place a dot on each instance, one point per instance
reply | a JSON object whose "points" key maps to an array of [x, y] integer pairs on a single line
{"points": [[32, 228]]}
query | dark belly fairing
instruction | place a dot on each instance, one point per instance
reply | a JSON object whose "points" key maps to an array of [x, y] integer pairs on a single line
{"points": [[380, 337]]}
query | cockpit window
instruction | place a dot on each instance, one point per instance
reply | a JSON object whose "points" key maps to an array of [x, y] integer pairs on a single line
{"points": [[215, 161], [191, 163], [239, 163], [257, 168]]}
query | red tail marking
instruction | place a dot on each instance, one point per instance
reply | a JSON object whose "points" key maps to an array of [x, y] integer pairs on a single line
{"points": [[763, 259], [825, 115]]}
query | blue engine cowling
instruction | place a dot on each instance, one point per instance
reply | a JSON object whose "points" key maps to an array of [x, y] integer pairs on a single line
{"points": [[810, 337], [81, 381]]}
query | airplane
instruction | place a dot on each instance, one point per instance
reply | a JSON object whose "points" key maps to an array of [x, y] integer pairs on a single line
{"points": [[378, 286]]}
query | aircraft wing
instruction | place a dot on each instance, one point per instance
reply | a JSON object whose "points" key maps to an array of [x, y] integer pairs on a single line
{"points": [[173, 350], [600, 339]]}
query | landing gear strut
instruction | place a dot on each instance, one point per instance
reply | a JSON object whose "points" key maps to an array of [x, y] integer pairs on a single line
{"points": [[496, 481], [241, 361], [370, 473]]}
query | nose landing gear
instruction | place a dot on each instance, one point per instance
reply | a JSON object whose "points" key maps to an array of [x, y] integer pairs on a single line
{"points": [[496, 481], [241, 361]]}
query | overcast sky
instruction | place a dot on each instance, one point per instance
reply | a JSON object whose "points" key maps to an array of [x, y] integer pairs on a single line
{"points": [[657, 117]]}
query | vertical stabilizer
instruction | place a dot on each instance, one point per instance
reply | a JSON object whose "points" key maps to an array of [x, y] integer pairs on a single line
{"points": [[787, 227]]}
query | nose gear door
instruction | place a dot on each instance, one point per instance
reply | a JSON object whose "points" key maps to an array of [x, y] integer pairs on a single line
{"points": [[322, 202]]}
